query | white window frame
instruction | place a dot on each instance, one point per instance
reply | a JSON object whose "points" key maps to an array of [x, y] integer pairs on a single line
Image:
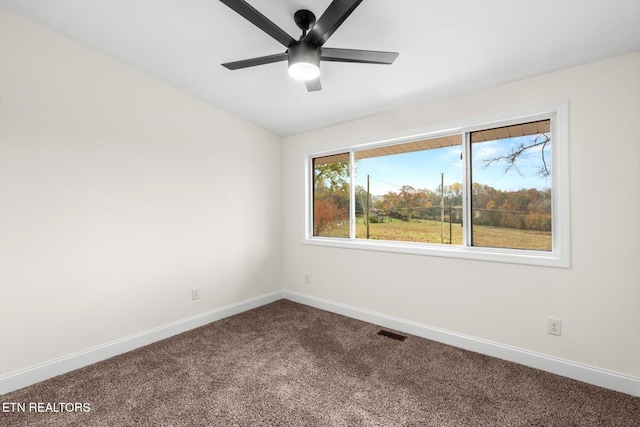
{"points": [[559, 256]]}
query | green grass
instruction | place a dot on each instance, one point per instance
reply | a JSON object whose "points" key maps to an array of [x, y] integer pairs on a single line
{"points": [[500, 237], [425, 231], [428, 231]]}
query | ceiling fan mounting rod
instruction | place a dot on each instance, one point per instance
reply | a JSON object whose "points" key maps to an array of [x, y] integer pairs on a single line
{"points": [[305, 19]]}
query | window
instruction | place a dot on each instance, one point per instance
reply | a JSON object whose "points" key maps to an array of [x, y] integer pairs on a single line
{"points": [[511, 187], [402, 193], [331, 195], [494, 189]]}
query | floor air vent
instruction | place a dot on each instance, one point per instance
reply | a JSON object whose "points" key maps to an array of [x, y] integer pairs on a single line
{"points": [[392, 335]]}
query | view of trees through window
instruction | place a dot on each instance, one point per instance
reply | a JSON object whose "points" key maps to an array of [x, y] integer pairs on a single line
{"points": [[413, 192], [511, 186], [331, 196]]}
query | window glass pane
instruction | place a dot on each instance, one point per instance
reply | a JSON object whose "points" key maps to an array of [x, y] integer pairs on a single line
{"points": [[511, 186], [399, 193], [331, 196]]}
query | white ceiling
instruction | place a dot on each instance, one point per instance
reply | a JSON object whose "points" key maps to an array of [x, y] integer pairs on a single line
{"points": [[446, 47]]}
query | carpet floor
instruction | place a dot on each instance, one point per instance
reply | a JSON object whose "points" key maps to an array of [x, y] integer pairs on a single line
{"points": [[287, 364]]}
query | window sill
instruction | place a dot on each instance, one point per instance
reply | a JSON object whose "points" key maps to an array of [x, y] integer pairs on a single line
{"points": [[512, 256]]}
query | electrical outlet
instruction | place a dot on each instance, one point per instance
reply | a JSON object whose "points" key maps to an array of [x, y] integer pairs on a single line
{"points": [[554, 326], [307, 279], [195, 293]]}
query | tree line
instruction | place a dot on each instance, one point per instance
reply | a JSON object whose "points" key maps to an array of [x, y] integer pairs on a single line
{"points": [[525, 209]]}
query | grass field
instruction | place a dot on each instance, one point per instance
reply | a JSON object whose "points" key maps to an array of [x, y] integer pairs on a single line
{"points": [[427, 231]]}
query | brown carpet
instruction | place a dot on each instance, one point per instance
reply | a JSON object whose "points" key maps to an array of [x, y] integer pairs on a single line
{"points": [[286, 364]]}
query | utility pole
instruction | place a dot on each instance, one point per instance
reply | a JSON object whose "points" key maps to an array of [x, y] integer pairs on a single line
{"points": [[450, 217], [368, 201]]}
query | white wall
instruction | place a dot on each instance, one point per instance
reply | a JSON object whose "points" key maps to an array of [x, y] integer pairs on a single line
{"points": [[118, 195], [598, 298]]}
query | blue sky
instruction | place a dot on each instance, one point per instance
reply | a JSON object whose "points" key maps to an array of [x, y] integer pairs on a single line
{"points": [[421, 169]]}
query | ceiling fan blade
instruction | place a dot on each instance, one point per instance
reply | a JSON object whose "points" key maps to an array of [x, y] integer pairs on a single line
{"points": [[313, 85], [330, 20], [354, 55], [256, 61], [259, 20]]}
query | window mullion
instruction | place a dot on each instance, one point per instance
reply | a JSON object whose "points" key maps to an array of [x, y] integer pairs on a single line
{"points": [[467, 187], [352, 195]]}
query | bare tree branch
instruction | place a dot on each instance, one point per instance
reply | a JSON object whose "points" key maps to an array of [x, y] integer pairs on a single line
{"points": [[511, 158]]}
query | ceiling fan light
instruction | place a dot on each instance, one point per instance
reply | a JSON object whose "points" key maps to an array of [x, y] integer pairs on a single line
{"points": [[304, 61], [304, 71]]}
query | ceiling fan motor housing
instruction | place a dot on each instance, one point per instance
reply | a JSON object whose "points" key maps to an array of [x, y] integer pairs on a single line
{"points": [[304, 54]]}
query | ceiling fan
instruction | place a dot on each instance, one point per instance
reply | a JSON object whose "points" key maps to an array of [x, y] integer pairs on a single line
{"points": [[304, 55]]}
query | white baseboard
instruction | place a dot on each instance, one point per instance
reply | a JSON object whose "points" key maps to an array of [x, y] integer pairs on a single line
{"points": [[566, 368], [34, 374]]}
